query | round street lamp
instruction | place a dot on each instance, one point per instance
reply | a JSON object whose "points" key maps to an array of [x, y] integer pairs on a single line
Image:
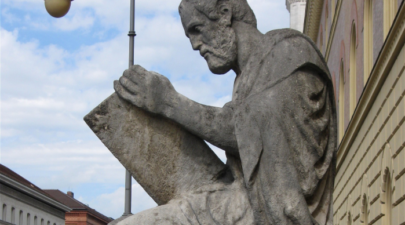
{"points": [[57, 8]]}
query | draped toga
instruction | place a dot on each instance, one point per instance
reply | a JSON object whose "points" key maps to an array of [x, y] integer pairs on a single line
{"points": [[285, 126], [283, 109]]}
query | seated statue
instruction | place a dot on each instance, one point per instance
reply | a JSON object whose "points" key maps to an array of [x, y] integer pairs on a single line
{"points": [[278, 132]]}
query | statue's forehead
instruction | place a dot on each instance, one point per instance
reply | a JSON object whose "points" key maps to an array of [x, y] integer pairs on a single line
{"points": [[189, 14]]}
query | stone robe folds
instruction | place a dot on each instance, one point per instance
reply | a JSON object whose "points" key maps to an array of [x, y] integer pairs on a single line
{"points": [[285, 124]]}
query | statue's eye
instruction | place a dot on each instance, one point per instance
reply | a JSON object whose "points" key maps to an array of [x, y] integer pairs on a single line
{"points": [[195, 29]]}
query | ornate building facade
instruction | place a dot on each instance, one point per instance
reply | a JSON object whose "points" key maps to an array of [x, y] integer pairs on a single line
{"points": [[363, 44]]}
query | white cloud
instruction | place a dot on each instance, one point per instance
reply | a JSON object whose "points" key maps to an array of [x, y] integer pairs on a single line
{"points": [[46, 89], [78, 20]]}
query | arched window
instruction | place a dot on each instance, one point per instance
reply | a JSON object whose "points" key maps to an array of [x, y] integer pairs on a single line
{"points": [[4, 213], [49, 223], [35, 220], [341, 101], [364, 210], [20, 218], [349, 218], [386, 198], [321, 40], [13, 215], [353, 98], [386, 185], [368, 38], [390, 11], [326, 21], [28, 219], [42, 221]]}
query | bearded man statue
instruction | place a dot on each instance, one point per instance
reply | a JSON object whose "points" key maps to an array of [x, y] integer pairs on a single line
{"points": [[278, 132]]}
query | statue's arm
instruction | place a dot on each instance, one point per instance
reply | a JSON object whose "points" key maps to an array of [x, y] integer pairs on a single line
{"points": [[154, 93], [213, 124]]}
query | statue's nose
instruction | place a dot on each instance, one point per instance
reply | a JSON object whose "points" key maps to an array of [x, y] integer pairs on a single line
{"points": [[195, 42]]}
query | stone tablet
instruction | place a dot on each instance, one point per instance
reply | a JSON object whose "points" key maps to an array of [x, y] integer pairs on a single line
{"points": [[165, 159]]}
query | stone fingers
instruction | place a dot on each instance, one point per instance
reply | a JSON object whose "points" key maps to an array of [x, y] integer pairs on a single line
{"points": [[130, 86], [136, 74], [125, 94]]}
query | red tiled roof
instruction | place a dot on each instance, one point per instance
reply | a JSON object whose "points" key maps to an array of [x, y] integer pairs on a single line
{"points": [[75, 204], [16, 177]]}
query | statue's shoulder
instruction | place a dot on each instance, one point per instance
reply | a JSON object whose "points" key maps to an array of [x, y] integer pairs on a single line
{"points": [[287, 34], [286, 41]]}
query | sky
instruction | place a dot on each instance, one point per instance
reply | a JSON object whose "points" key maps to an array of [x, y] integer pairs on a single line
{"points": [[54, 71]]}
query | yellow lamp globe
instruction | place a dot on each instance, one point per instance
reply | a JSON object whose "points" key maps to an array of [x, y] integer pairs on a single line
{"points": [[57, 8]]}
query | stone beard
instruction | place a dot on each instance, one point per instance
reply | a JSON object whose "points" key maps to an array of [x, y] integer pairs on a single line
{"points": [[278, 132]]}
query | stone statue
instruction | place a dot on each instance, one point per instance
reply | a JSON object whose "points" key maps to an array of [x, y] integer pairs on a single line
{"points": [[278, 132]]}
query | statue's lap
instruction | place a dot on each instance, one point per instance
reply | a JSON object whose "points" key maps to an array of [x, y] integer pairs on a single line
{"points": [[228, 204]]}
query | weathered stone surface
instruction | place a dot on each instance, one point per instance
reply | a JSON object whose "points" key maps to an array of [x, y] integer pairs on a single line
{"points": [[278, 131], [165, 159]]}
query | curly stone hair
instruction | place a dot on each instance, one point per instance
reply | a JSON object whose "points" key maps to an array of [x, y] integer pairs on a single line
{"points": [[241, 10]]}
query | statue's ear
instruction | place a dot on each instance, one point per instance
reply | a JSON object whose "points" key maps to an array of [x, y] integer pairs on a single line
{"points": [[225, 12]]}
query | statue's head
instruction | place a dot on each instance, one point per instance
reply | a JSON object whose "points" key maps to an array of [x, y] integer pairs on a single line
{"points": [[208, 25]]}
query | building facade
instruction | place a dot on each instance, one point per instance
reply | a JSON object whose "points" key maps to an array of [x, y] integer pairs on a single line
{"points": [[80, 214], [363, 44], [23, 203]]}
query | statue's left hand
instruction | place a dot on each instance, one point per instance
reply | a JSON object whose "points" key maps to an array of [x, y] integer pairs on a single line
{"points": [[147, 90]]}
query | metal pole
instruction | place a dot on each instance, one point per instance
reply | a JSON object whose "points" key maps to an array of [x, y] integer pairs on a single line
{"points": [[131, 35]]}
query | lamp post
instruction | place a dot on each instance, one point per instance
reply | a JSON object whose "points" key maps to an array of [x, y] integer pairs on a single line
{"points": [[59, 8], [131, 35]]}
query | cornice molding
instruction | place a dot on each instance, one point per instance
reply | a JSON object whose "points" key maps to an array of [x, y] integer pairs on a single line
{"points": [[14, 184], [313, 13], [386, 59]]}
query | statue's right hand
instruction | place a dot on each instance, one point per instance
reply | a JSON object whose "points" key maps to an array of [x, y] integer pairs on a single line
{"points": [[144, 89]]}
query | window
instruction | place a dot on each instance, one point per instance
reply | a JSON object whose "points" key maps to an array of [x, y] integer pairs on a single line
{"points": [[321, 40], [326, 20], [364, 210], [341, 101], [20, 218], [13, 215], [353, 99], [368, 38], [4, 214], [349, 219], [28, 219], [386, 198], [387, 186], [35, 220], [42, 221]]}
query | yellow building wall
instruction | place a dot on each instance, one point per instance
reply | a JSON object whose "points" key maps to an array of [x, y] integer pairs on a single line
{"points": [[360, 195]]}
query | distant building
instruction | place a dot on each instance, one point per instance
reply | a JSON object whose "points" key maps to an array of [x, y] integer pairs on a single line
{"points": [[297, 13], [23, 203], [80, 214], [363, 44]]}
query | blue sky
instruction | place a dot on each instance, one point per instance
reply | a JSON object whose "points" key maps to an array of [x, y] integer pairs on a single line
{"points": [[54, 71]]}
